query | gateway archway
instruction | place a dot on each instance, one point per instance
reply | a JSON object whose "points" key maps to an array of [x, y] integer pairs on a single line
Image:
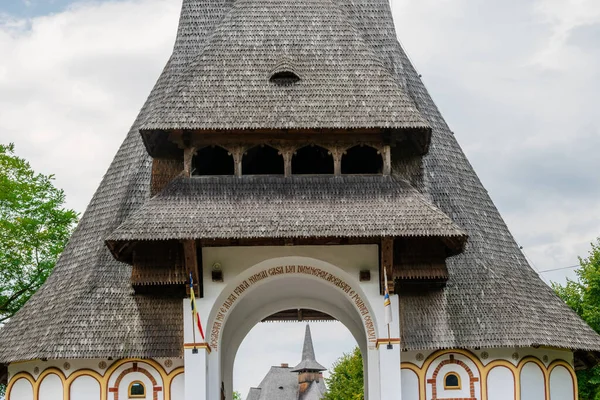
{"points": [[283, 283]]}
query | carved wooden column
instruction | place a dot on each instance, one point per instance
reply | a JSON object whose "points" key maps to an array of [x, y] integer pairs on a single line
{"points": [[238, 154], [386, 153], [337, 153], [387, 264], [188, 155], [287, 152]]}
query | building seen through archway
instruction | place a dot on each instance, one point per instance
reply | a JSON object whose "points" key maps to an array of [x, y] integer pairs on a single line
{"points": [[303, 381]]}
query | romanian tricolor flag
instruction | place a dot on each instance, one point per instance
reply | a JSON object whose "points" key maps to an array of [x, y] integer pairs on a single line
{"points": [[195, 315], [387, 304]]}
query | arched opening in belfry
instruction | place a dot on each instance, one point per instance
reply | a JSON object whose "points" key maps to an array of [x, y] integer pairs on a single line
{"points": [[262, 160], [312, 160], [281, 296], [362, 159], [212, 160], [292, 362]]}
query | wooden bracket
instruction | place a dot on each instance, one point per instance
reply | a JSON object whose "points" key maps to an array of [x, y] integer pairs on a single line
{"points": [[191, 265], [386, 261]]}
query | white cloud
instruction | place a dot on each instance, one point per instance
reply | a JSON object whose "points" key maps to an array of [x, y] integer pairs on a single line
{"points": [[72, 83], [519, 83]]}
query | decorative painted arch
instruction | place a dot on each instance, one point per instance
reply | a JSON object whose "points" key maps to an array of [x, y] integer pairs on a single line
{"points": [[568, 367], [44, 374], [85, 372], [472, 378], [18, 377], [155, 387]]}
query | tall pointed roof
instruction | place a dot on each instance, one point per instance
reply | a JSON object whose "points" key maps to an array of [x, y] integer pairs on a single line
{"points": [[493, 297], [308, 363], [343, 82]]}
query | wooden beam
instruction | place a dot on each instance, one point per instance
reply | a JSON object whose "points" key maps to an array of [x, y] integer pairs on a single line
{"points": [[191, 265], [386, 262]]}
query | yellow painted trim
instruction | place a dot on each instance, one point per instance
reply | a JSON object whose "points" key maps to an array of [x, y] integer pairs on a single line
{"points": [[484, 371], [171, 376], [380, 342], [512, 368], [569, 367], [84, 372], [14, 379], [446, 387], [44, 374], [103, 380], [535, 360], [472, 357], [110, 371], [136, 396], [201, 345]]}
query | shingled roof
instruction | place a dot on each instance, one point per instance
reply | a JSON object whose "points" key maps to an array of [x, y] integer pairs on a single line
{"points": [[278, 207], [343, 83], [309, 361], [493, 298]]}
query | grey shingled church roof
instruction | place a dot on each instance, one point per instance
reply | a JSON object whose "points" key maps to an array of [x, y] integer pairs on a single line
{"points": [[308, 362], [341, 206], [493, 298]]}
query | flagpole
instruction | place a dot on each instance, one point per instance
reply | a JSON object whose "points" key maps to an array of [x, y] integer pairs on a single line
{"points": [[193, 305]]}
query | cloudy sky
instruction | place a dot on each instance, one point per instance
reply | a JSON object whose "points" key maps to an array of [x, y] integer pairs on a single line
{"points": [[517, 80]]}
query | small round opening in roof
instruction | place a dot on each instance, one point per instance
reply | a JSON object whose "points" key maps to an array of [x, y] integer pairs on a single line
{"points": [[284, 73]]}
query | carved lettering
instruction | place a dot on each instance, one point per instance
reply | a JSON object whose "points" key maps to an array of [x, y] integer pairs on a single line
{"points": [[291, 269]]}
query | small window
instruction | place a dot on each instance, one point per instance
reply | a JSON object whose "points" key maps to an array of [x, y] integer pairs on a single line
{"points": [[284, 73], [452, 381], [212, 160], [262, 160], [312, 160], [137, 390], [284, 78], [362, 160]]}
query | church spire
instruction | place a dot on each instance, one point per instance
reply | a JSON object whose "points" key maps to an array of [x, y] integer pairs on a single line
{"points": [[308, 363]]}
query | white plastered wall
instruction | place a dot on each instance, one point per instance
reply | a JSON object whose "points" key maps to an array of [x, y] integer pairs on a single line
{"points": [[51, 388], [85, 388]]}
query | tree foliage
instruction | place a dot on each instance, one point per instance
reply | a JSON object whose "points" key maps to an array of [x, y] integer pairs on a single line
{"points": [[34, 228], [346, 380], [583, 296]]}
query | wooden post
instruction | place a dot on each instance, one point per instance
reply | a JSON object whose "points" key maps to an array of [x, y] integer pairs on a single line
{"points": [[287, 152], [191, 264], [337, 153], [387, 159], [188, 155], [238, 153], [387, 262]]}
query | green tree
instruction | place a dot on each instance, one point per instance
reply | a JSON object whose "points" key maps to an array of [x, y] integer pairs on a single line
{"points": [[34, 228], [237, 395], [346, 380], [583, 296]]}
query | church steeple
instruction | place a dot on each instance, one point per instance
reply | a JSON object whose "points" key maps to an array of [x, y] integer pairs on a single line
{"points": [[308, 363], [309, 370]]}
